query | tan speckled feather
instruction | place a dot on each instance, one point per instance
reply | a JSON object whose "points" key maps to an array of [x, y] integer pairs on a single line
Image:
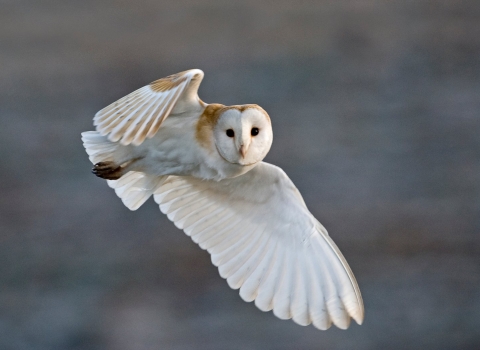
{"points": [[139, 115]]}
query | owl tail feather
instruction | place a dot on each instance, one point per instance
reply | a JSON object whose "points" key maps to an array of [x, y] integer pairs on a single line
{"points": [[133, 188]]}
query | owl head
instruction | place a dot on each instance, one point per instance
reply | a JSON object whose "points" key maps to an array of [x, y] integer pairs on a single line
{"points": [[241, 134]]}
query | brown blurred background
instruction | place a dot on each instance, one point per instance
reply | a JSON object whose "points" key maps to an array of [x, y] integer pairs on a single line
{"points": [[375, 106]]}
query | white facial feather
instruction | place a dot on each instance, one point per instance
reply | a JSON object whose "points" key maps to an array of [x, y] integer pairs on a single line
{"points": [[243, 136], [162, 140]]}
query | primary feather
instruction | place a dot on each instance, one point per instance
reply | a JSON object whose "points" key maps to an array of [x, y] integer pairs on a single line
{"points": [[140, 114]]}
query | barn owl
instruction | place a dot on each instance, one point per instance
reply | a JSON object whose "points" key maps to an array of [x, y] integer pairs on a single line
{"points": [[203, 165]]}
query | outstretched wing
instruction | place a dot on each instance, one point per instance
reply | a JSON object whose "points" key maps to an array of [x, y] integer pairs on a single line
{"points": [[139, 115], [264, 241]]}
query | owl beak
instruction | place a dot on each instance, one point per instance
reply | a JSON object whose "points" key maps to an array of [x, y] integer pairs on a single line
{"points": [[242, 151], [244, 144]]}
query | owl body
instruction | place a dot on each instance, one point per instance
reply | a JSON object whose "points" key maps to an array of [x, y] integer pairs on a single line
{"points": [[203, 165], [176, 150]]}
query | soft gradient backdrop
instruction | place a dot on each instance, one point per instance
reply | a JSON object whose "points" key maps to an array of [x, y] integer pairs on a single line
{"points": [[375, 107]]}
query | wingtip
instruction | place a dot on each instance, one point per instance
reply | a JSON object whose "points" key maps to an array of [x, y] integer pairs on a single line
{"points": [[359, 318]]}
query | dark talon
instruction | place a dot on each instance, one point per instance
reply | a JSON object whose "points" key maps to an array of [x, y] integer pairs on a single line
{"points": [[107, 170]]}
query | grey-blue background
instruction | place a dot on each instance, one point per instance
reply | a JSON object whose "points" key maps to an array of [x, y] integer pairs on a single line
{"points": [[375, 107]]}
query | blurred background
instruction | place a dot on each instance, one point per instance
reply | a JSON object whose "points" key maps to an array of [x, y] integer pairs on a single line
{"points": [[375, 108]]}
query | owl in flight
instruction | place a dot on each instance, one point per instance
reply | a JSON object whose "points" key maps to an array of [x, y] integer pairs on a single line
{"points": [[203, 165]]}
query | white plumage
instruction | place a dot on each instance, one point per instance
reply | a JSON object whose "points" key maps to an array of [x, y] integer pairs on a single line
{"points": [[203, 166]]}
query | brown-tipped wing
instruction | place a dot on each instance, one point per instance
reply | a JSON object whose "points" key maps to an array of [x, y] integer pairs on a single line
{"points": [[139, 115]]}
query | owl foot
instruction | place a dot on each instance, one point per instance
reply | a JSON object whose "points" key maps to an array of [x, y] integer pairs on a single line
{"points": [[108, 170]]}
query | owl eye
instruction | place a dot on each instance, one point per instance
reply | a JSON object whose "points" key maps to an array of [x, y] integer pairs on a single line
{"points": [[230, 133], [255, 131]]}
